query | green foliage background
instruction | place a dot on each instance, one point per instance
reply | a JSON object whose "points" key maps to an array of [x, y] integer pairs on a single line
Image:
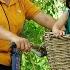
{"points": [[34, 33]]}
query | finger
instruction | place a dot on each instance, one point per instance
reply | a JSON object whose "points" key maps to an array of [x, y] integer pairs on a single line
{"points": [[57, 34], [18, 44], [22, 45], [61, 33], [27, 46]]}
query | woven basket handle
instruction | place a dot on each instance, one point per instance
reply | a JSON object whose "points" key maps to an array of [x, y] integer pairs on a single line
{"points": [[51, 35]]}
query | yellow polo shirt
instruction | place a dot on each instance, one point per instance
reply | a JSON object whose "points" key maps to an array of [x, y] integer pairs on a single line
{"points": [[12, 17]]}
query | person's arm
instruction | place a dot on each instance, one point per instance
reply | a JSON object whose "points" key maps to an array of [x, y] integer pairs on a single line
{"points": [[33, 12], [48, 21], [59, 24], [44, 20], [61, 21], [21, 43]]}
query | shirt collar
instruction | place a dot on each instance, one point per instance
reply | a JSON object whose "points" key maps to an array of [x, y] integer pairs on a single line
{"points": [[11, 2]]}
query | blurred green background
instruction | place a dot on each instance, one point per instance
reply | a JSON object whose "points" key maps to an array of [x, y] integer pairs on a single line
{"points": [[34, 33]]}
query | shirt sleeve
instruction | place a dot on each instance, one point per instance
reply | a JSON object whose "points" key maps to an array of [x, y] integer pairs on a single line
{"points": [[30, 9]]}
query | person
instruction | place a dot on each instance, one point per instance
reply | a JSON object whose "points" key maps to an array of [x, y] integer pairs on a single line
{"points": [[12, 16], [63, 21]]}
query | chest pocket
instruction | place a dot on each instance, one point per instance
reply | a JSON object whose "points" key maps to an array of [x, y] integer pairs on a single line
{"points": [[15, 17]]}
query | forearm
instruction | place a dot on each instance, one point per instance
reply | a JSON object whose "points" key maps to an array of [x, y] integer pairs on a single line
{"points": [[44, 20], [6, 35], [60, 23], [21, 43]]}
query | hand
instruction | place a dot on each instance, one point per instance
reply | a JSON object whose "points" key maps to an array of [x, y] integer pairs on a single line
{"points": [[58, 32], [21, 43]]}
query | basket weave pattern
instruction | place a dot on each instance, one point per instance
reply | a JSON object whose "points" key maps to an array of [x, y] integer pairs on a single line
{"points": [[58, 50]]}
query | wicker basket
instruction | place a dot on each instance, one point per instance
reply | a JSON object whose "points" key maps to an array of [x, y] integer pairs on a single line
{"points": [[58, 50]]}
